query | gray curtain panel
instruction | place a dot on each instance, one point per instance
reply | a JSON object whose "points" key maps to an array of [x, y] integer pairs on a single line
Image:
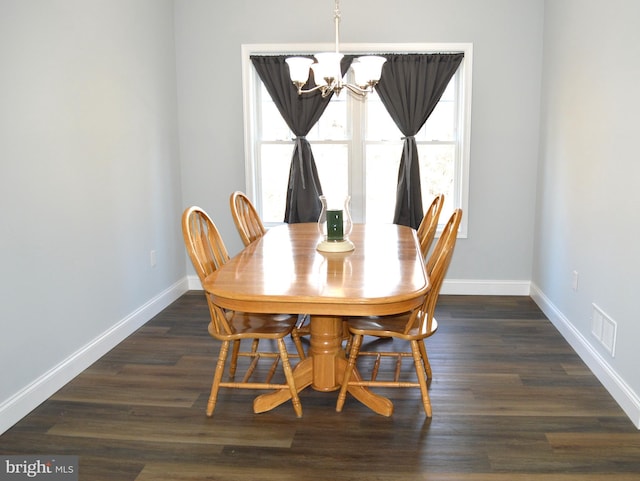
{"points": [[300, 112], [410, 87]]}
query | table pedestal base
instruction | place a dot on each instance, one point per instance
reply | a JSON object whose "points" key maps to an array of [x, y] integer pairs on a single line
{"points": [[323, 370]]}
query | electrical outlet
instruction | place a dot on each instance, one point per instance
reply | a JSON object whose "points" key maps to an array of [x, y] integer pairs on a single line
{"points": [[152, 258]]}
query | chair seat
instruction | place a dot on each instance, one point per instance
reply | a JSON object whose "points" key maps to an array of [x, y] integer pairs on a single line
{"points": [[256, 326], [390, 326]]}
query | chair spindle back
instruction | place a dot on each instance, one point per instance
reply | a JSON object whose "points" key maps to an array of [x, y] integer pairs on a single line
{"points": [[428, 226], [246, 218], [437, 267], [207, 253]]}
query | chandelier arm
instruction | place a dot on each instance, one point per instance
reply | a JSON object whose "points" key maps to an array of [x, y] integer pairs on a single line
{"points": [[358, 90], [308, 91]]}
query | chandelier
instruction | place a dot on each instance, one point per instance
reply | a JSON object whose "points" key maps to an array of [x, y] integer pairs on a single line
{"points": [[327, 73]]}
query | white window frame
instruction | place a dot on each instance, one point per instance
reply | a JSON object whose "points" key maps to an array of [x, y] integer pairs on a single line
{"points": [[249, 79]]}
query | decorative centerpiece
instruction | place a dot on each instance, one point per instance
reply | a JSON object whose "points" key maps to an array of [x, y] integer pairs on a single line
{"points": [[334, 224]]}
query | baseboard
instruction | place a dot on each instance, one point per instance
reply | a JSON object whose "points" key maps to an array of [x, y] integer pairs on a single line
{"points": [[628, 400], [24, 401], [194, 283], [485, 287], [452, 287]]}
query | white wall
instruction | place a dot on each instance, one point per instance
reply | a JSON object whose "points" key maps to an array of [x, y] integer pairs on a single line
{"points": [[89, 184], [588, 207], [507, 42]]}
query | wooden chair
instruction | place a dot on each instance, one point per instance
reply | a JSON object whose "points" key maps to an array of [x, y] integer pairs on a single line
{"points": [[413, 327], [246, 218], [428, 226], [426, 233], [208, 252], [251, 228]]}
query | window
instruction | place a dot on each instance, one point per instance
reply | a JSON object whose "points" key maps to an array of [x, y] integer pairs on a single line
{"points": [[357, 146]]}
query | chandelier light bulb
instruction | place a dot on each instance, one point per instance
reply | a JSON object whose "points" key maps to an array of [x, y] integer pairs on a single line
{"points": [[367, 70], [299, 69]]}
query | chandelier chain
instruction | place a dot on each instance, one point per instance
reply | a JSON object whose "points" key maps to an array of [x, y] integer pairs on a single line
{"points": [[336, 19]]}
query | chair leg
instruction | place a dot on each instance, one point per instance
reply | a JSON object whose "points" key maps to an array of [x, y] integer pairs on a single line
{"points": [[346, 334], [295, 335], [425, 358], [417, 360], [288, 373], [351, 365], [234, 359], [215, 386], [347, 347]]}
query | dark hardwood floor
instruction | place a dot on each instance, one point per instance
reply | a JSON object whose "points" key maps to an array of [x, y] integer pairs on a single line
{"points": [[511, 402]]}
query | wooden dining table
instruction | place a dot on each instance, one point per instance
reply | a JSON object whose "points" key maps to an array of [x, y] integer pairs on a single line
{"points": [[283, 272]]}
